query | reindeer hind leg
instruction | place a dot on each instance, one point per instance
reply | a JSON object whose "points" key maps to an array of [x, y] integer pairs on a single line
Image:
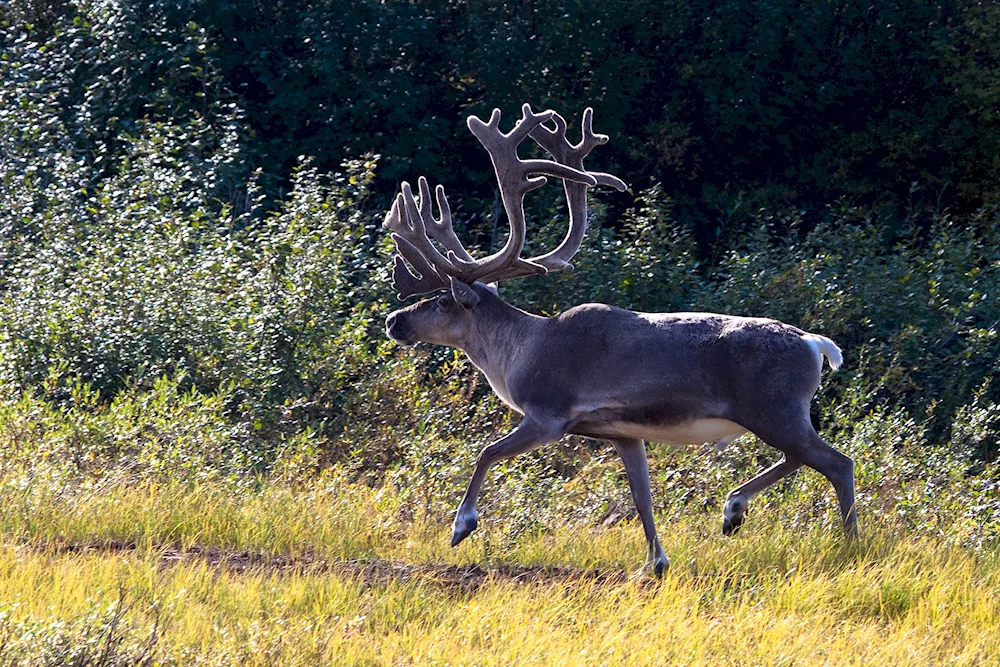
{"points": [[800, 443], [738, 501], [839, 469]]}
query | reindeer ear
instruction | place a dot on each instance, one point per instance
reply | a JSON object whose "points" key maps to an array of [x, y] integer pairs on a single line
{"points": [[464, 295]]}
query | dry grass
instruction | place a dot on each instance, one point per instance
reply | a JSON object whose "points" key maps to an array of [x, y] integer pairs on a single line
{"points": [[337, 573]]}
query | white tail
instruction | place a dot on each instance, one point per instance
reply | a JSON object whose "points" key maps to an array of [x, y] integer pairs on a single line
{"points": [[827, 348]]}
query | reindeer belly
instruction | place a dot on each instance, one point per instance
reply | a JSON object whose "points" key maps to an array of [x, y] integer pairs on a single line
{"points": [[689, 432]]}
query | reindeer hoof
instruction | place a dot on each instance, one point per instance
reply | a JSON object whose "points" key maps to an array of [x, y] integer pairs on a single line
{"points": [[462, 527], [660, 565], [730, 528], [733, 515]]}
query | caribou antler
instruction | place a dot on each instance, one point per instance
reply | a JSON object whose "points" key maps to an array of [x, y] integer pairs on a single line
{"points": [[559, 147], [413, 225]]}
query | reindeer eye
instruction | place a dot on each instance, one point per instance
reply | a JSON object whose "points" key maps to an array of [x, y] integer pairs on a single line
{"points": [[445, 302]]}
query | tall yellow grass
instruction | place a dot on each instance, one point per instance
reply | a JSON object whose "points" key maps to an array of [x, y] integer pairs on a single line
{"points": [[775, 594]]}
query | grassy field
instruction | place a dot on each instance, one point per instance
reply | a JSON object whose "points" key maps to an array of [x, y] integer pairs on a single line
{"points": [[333, 572]]}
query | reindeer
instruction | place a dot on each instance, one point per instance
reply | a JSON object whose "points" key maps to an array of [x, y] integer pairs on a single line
{"points": [[596, 370]]}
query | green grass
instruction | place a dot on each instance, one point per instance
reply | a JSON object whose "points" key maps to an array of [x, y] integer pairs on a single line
{"points": [[259, 578]]}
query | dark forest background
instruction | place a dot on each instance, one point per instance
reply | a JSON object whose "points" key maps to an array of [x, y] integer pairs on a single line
{"points": [[730, 106], [191, 196]]}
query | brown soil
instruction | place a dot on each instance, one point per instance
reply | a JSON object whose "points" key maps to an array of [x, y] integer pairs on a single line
{"points": [[371, 571]]}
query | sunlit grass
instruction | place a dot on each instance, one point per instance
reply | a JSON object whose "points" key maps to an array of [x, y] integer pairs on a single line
{"points": [[907, 605], [778, 593]]}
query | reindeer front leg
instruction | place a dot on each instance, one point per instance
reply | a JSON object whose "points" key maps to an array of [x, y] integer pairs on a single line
{"points": [[529, 434], [633, 454]]}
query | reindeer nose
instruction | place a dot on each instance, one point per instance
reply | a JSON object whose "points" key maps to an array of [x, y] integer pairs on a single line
{"points": [[391, 323], [394, 327]]}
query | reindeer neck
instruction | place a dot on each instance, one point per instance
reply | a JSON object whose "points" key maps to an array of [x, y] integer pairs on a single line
{"points": [[497, 333]]}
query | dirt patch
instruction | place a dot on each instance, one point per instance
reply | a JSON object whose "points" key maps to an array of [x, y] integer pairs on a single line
{"points": [[370, 571]]}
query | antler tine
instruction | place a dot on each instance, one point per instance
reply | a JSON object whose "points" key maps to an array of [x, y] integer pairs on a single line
{"points": [[529, 121], [511, 170], [440, 229], [554, 142], [514, 178], [589, 142], [405, 281], [417, 234], [562, 150]]}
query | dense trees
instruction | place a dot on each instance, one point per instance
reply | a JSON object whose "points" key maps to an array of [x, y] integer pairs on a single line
{"points": [[732, 105], [788, 102]]}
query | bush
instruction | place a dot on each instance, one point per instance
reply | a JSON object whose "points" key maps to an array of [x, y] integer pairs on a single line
{"points": [[103, 636]]}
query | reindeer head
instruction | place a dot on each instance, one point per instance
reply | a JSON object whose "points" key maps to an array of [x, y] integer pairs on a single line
{"points": [[421, 267], [445, 319]]}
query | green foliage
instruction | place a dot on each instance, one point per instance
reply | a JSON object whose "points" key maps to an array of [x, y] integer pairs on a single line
{"points": [[191, 309], [783, 101], [92, 73], [732, 106], [650, 264], [921, 319], [146, 280]]}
